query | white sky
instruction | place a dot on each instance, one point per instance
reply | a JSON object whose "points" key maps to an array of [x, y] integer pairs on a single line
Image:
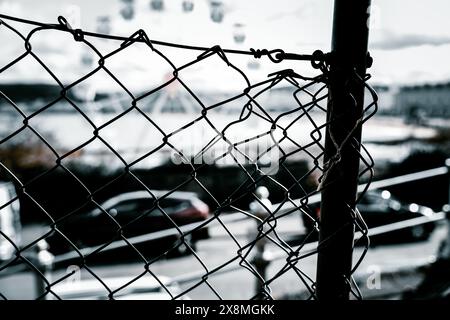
{"points": [[410, 40]]}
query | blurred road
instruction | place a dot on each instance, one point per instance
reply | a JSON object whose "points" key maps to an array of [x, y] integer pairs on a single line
{"points": [[240, 284]]}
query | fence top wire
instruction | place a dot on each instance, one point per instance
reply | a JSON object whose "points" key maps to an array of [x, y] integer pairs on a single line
{"points": [[306, 97], [275, 55]]}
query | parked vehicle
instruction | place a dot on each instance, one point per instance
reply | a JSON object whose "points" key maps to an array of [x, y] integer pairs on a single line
{"points": [[379, 207], [10, 225], [133, 214], [144, 288]]}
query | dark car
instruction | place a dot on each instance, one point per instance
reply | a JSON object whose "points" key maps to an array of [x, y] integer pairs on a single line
{"points": [[138, 215], [378, 208]]}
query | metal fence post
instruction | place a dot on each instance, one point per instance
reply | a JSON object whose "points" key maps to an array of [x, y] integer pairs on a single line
{"points": [[43, 262], [349, 53], [447, 164], [447, 212], [261, 259]]}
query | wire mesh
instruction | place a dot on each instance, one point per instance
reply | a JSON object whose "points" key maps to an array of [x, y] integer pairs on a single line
{"points": [[292, 131]]}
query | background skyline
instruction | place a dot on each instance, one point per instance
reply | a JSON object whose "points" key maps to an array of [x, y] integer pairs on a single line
{"points": [[409, 41]]}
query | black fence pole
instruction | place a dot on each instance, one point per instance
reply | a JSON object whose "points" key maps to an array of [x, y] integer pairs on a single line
{"points": [[345, 105]]}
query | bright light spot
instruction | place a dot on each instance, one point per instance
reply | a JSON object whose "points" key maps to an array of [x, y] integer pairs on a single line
{"points": [[385, 194], [413, 207]]}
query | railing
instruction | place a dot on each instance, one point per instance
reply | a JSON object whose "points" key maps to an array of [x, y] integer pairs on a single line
{"points": [[309, 248]]}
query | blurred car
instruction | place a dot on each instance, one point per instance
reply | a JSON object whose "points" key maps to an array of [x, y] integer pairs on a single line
{"points": [[10, 225], [378, 208], [144, 288], [137, 214]]}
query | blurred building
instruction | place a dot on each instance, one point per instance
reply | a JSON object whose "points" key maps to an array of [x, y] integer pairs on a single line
{"points": [[429, 100], [386, 98]]}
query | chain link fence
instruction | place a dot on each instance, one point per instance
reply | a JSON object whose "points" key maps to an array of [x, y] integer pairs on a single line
{"points": [[259, 138]]}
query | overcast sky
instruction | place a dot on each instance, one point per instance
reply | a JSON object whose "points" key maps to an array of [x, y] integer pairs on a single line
{"points": [[409, 40]]}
